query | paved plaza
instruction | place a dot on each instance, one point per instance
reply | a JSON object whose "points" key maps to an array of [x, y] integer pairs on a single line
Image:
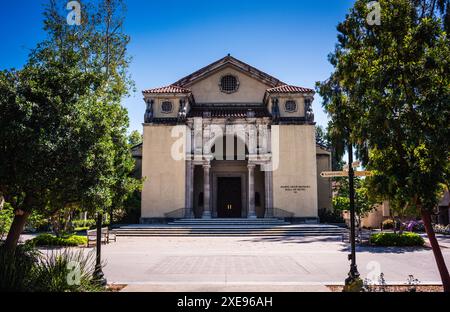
{"points": [[256, 263]]}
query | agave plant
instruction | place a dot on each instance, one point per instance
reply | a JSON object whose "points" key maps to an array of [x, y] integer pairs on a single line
{"points": [[66, 271]]}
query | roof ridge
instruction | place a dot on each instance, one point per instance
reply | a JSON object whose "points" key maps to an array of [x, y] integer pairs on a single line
{"points": [[223, 61]]}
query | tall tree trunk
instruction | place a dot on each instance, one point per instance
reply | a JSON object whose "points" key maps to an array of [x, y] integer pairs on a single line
{"points": [[16, 230], [443, 271]]}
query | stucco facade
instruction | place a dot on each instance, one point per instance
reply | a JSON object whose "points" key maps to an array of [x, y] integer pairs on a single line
{"points": [[230, 141]]}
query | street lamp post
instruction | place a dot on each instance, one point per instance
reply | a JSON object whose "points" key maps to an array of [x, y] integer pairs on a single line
{"points": [[98, 273], [353, 275]]}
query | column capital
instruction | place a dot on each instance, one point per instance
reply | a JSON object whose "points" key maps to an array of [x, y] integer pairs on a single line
{"points": [[206, 165], [251, 166]]}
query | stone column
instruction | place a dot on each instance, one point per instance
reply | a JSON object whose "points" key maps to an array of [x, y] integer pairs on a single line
{"points": [[189, 213], [268, 180], [206, 192], [251, 191]]}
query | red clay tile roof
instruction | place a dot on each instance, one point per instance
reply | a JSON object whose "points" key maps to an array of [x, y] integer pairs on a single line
{"points": [[289, 89], [168, 89]]}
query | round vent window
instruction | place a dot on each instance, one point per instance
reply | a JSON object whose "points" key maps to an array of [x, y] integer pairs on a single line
{"points": [[167, 107], [229, 84], [291, 106]]}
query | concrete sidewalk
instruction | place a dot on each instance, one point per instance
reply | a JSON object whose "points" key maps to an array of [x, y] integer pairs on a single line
{"points": [[250, 264], [202, 288]]}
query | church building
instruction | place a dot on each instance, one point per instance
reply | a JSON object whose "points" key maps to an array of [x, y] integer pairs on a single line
{"points": [[230, 141]]}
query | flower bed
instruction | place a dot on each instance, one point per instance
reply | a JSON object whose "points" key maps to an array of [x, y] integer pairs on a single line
{"points": [[442, 229]]}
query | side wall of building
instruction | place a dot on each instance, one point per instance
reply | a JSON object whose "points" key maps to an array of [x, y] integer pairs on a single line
{"points": [[164, 186], [295, 177], [324, 187]]}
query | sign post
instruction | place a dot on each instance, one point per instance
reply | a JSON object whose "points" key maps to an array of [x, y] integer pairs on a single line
{"points": [[351, 173]]}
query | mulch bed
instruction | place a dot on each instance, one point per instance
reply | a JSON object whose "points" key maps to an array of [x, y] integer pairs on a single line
{"points": [[396, 288], [115, 287]]}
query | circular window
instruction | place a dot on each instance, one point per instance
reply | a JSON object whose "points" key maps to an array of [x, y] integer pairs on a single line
{"points": [[167, 107], [291, 106], [229, 84]]}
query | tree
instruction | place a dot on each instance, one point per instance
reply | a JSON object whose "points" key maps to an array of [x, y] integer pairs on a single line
{"points": [[135, 138], [391, 87], [62, 114], [364, 203]]}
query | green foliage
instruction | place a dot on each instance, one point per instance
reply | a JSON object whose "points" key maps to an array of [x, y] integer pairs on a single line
{"points": [[6, 218], [389, 224], [66, 271], [399, 240], [327, 216], [16, 268], [364, 202], [135, 138], [131, 209], [27, 270], [89, 223], [389, 96], [37, 221], [49, 240], [355, 286], [62, 113]]}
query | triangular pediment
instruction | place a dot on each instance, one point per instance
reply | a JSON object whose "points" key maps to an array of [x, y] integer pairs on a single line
{"points": [[229, 62]]}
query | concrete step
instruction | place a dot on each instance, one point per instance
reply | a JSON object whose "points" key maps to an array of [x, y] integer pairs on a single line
{"points": [[232, 221], [319, 234], [231, 230]]}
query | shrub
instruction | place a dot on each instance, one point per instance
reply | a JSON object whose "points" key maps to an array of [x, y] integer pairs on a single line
{"points": [[399, 240], [327, 216], [388, 224], [37, 222], [6, 218], [16, 268], [64, 241], [90, 223], [66, 271], [27, 270]]}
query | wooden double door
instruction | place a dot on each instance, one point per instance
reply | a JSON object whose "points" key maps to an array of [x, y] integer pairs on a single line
{"points": [[229, 197]]}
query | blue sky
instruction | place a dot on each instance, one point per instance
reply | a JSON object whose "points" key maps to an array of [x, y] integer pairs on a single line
{"points": [[170, 39]]}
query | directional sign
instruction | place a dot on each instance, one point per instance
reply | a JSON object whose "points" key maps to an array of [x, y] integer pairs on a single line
{"points": [[363, 173], [332, 174]]}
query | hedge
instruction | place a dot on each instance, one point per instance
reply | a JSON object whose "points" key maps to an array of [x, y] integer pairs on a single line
{"points": [[392, 239], [52, 240]]}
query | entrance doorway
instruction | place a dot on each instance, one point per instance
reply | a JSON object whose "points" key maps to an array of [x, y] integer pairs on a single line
{"points": [[229, 197]]}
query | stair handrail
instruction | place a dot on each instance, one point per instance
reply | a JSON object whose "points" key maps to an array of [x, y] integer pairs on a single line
{"points": [[181, 213], [282, 214]]}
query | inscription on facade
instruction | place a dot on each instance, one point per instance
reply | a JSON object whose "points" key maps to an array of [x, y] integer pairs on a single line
{"points": [[295, 189]]}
